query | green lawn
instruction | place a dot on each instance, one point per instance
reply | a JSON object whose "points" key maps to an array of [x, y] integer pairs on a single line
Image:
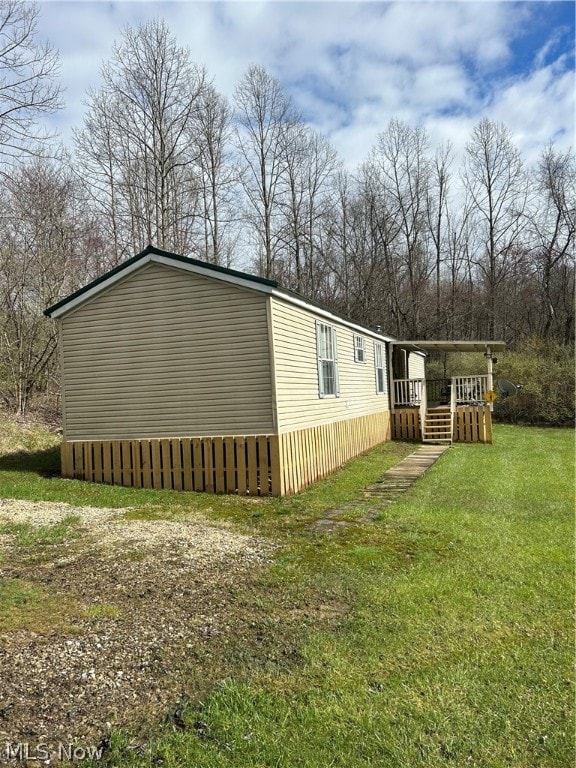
{"points": [[439, 635]]}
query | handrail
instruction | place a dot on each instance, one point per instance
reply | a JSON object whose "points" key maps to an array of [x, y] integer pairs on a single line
{"points": [[469, 389], [408, 392], [464, 390]]}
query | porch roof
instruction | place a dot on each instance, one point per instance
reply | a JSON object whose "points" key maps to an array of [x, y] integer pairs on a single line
{"points": [[451, 346]]}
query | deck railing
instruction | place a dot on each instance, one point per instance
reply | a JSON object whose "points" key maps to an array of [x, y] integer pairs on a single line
{"points": [[463, 390], [470, 389], [408, 392]]}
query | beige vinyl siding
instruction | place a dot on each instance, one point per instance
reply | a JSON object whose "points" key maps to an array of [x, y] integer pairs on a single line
{"points": [[167, 353], [416, 365], [295, 359]]}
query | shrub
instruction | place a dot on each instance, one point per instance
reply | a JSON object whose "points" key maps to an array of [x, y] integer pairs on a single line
{"points": [[545, 370]]}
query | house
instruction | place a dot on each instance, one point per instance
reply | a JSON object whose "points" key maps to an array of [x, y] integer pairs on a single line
{"points": [[181, 374]]}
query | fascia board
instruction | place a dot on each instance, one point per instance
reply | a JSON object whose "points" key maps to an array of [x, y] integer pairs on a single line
{"points": [[252, 285], [101, 286], [211, 274], [156, 259]]}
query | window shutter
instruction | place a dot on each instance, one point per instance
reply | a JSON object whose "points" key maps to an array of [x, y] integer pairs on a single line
{"points": [[327, 360], [359, 349], [335, 341], [379, 367], [319, 359]]}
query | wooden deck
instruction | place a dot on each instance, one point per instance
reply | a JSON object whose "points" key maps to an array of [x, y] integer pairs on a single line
{"points": [[471, 424]]}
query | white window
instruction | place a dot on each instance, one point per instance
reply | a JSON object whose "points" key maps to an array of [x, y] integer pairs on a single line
{"points": [[379, 364], [326, 349], [359, 349]]}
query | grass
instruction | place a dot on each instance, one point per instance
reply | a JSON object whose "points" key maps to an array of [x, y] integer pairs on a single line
{"points": [[27, 535], [103, 610], [24, 438], [33, 474], [25, 606], [439, 635]]}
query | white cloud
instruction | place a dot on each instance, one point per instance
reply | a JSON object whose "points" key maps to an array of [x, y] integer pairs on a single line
{"points": [[538, 108], [349, 66]]}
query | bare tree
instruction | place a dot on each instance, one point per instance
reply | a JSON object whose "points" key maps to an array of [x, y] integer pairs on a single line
{"points": [[99, 161], [496, 189], [28, 86], [46, 242], [399, 172], [135, 147], [438, 217], [338, 248], [310, 164], [377, 266], [263, 114], [553, 233], [218, 176]]}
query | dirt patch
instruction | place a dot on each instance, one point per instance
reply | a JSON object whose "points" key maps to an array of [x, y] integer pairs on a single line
{"points": [[154, 599]]}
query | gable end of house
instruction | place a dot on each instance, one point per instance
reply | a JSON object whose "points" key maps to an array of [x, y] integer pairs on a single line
{"points": [[151, 254]]}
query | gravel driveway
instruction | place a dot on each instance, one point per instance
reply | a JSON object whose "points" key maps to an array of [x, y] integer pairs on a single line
{"points": [[155, 597]]}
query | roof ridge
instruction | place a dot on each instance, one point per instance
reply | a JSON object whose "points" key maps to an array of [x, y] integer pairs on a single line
{"points": [[272, 285], [155, 251]]}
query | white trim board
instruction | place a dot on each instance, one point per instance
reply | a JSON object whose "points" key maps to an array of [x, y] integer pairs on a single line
{"points": [[253, 285]]}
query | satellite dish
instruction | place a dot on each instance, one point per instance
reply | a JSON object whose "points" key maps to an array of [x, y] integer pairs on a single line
{"points": [[507, 389]]}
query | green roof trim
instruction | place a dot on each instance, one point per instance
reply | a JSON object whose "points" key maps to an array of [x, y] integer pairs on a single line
{"points": [[152, 250], [273, 285]]}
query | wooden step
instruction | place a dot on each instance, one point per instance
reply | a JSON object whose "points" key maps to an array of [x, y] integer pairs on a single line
{"points": [[437, 427], [438, 431]]}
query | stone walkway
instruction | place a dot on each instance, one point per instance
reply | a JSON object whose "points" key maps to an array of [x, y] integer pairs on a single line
{"points": [[384, 491]]}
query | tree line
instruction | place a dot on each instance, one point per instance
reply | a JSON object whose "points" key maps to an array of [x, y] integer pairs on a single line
{"points": [[418, 239]]}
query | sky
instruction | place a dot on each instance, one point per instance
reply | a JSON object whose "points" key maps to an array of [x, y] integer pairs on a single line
{"points": [[351, 67]]}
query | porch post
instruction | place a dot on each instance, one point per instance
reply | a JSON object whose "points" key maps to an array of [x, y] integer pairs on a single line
{"points": [[423, 409], [391, 376], [490, 374]]}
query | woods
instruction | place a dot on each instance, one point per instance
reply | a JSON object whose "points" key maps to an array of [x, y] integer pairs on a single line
{"points": [[421, 240]]}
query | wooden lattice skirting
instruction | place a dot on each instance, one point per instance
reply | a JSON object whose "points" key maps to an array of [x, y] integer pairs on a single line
{"points": [[406, 424], [309, 454], [262, 465], [472, 424]]}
